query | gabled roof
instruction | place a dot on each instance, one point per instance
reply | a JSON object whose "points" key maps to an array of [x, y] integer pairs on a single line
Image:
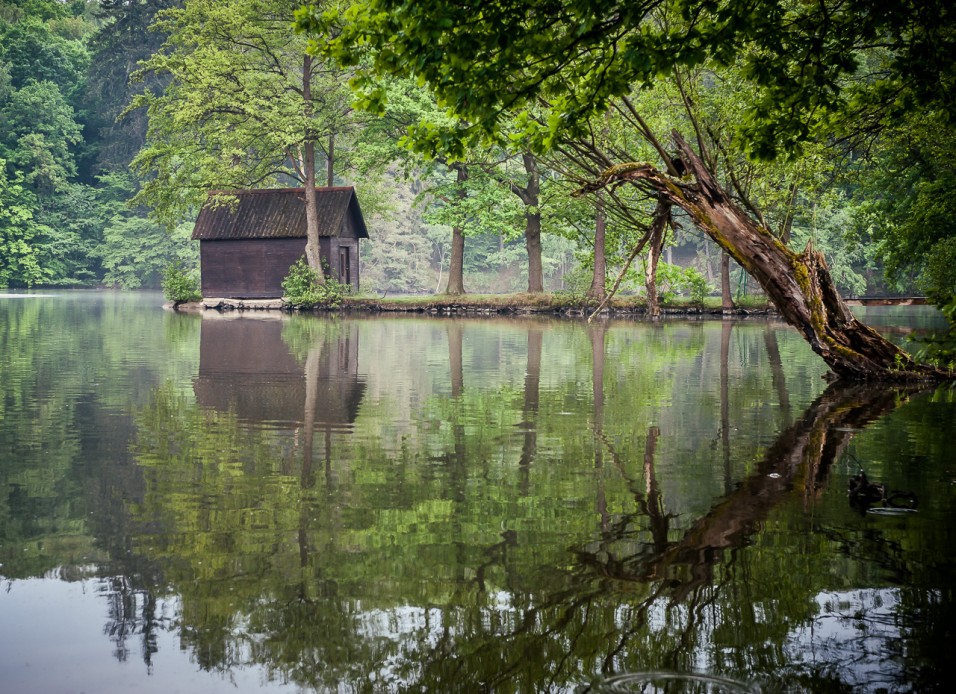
{"points": [[277, 213]]}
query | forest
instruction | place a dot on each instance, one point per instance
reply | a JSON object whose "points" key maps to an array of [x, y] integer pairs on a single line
{"points": [[477, 140]]}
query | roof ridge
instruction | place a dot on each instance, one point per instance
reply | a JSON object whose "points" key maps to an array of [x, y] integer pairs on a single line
{"points": [[254, 191]]}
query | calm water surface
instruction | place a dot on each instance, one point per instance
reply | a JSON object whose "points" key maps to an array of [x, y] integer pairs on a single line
{"points": [[222, 503]]}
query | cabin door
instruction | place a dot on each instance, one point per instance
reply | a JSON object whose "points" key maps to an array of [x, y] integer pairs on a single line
{"points": [[345, 267]]}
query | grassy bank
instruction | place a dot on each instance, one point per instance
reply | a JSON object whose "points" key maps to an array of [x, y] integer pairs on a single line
{"points": [[556, 303]]}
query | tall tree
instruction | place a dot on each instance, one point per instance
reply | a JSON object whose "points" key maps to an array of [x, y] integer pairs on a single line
{"points": [[123, 40], [246, 106]]}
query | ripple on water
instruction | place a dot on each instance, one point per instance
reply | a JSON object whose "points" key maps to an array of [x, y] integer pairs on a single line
{"points": [[659, 681]]}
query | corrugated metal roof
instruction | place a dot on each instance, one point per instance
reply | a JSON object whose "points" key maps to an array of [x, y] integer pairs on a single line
{"points": [[276, 213]]}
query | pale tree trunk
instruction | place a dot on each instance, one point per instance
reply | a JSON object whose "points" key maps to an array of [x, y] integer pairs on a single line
{"points": [[598, 290], [532, 229], [655, 246], [456, 263], [330, 163], [312, 253], [799, 284], [726, 298]]}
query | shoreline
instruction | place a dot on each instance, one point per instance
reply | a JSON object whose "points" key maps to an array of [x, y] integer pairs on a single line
{"points": [[474, 305]]}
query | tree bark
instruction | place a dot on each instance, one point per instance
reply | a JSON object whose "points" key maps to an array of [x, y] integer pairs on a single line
{"points": [[312, 253], [655, 245], [532, 228], [330, 163], [532, 235], [726, 298], [799, 284], [456, 263], [598, 290]]}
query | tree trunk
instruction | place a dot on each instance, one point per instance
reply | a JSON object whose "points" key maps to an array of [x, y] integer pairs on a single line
{"points": [[799, 284], [532, 233], [312, 253], [330, 163], [456, 263], [532, 229], [598, 290], [726, 298], [655, 246]]}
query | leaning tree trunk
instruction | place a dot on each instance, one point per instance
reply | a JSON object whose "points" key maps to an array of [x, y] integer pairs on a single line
{"points": [[799, 284]]}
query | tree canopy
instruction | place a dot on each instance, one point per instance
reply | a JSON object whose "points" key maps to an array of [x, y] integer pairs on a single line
{"points": [[485, 58]]}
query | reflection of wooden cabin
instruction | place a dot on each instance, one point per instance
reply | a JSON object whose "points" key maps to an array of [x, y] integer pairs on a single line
{"points": [[245, 367], [246, 248]]}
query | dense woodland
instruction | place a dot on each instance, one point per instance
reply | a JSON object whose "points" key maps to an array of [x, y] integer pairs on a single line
{"points": [[532, 146]]}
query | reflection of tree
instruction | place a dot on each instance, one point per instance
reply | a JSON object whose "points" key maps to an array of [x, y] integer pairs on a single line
{"points": [[529, 410], [725, 329], [808, 447], [596, 332], [776, 371], [132, 612], [575, 626], [442, 562]]}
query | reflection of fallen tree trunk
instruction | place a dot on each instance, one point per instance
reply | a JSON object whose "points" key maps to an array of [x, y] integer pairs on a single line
{"points": [[808, 447]]}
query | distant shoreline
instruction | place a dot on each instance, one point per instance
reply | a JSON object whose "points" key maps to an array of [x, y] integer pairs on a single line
{"points": [[482, 304]]}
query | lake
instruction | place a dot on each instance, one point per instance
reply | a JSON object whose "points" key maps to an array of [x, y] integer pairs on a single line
{"points": [[265, 502]]}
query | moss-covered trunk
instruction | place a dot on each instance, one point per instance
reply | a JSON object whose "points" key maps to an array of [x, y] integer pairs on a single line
{"points": [[799, 284]]}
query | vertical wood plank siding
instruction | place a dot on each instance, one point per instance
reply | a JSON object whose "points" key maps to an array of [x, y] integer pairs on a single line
{"points": [[247, 268]]}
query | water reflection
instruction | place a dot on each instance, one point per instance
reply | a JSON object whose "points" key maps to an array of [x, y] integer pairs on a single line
{"points": [[503, 506], [268, 371]]}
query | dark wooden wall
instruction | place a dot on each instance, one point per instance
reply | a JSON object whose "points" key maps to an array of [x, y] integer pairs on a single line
{"points": [[247, 268], [255, 268]]}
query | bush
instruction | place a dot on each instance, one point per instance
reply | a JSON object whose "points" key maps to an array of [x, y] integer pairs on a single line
{"points": [[180, 286], [673, 280], [303, 289], [696, 285], [938, 280]]}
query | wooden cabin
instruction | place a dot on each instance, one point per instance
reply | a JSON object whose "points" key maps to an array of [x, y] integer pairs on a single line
{"points": [[247, 247]]}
